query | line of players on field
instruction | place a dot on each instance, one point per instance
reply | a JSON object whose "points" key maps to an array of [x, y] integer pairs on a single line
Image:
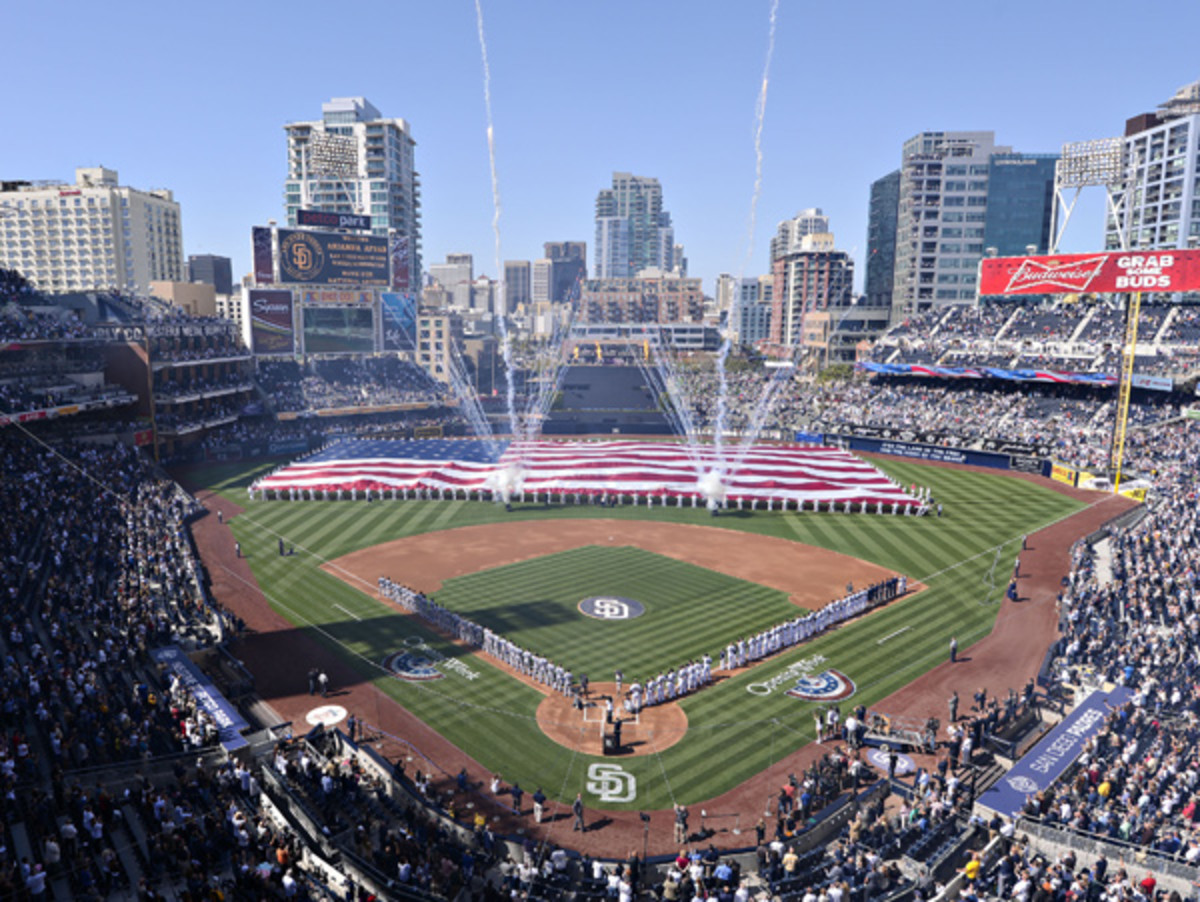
{"points": [[669, 684]]}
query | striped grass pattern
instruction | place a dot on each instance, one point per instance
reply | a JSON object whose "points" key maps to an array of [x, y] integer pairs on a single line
{"points": [[964, 558]]}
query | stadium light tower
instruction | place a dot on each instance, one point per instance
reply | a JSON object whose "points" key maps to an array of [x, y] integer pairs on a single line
{"points": [[1087, 164], [330, 162], [1103, 163]]}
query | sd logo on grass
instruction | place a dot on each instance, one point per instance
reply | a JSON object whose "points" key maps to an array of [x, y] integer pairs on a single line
{"points": [[611, 607]]}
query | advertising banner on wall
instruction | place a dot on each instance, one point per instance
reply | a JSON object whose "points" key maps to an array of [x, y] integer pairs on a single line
{"points": [[322, 219], [339, 330], [1152, 383], [264, 258], [328, 258], [399, 321], [336, 296], [1171, 270], [271, 328], [401, 277], [937, 453]]}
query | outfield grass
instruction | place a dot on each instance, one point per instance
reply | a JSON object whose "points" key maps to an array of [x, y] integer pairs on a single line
{"points": [[964, 558]]}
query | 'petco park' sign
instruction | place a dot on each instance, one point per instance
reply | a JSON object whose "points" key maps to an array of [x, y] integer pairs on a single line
{"points": [[1170, 270]]}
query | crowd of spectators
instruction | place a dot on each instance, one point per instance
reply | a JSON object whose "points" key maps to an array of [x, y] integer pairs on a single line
{"points": [[198, 348], [210, 412], [1022, 871], [322, 383], [1060, 336], [179, 383], [22, 324], [27, 396], [99, 568], [1075, 422]]}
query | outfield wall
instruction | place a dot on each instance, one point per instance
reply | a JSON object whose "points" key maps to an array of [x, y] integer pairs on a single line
{"points": [[933, 453]]}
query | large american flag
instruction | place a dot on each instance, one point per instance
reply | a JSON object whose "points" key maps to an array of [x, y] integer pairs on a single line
{"points": [[791, 473]]}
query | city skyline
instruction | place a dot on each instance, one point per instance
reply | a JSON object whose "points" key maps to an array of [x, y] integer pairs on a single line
{"points": [[578, 93]]}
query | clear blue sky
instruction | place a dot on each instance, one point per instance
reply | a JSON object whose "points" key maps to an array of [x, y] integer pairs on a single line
{"points": [[192, 97]]}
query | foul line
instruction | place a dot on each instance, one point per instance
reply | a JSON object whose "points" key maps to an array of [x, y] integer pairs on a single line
{"points": [[346, 611], [903, 629], [932, 576]]}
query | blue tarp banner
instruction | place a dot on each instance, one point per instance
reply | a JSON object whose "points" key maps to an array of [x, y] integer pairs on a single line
{"points": [[812, 438], [1047, 761], [229, 722], [959, 372]]}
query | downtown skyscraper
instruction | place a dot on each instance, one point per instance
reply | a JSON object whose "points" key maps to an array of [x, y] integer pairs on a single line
{"points": [[353, 160], [633, 231], [958, 193]]}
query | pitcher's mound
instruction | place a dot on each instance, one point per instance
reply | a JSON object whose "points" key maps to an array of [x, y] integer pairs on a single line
{"points": [[650, 730]]}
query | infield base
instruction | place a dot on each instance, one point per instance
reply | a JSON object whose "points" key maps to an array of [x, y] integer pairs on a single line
{"points": [[651, 730]]}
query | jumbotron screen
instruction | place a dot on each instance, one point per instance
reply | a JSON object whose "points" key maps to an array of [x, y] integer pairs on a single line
{"points": [[339, 330]]}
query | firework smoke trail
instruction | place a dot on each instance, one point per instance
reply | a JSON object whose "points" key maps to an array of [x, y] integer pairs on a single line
{"points": [[664, 378], [502, 301], [766, 402], [760, 112], [468, 403], [537, 407]]}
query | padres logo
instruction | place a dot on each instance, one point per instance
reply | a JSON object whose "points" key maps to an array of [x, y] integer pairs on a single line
{"points": [[1023, 784], [610, 607], [879, 758], [611, 783], [826, 686], [301, 256], [411, 665]]}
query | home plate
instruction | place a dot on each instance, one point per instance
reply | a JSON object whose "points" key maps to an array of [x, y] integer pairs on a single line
{"points": [[326, 715]]}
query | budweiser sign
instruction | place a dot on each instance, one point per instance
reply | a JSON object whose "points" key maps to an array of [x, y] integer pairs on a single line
{"points": [[1167, 270]]}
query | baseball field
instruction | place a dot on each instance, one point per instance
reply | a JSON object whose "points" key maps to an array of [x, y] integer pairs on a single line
{"points": [[701, 581]]}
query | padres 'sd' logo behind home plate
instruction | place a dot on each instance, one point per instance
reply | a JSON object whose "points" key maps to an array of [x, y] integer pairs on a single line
{"points": [[611, 607]]}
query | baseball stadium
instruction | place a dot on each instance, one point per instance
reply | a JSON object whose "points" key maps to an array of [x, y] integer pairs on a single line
{"points": [[863, 619], [350, 590]]}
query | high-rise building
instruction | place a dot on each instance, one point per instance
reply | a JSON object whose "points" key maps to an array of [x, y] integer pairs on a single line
{"points": [[945, 200], [455, 276], [516, 284], [1020, 202], [816, 277], [1162, 176], [211, 270], [881, 239], [541, 281], [654, 297], [791, 231], [94, 235], [633, 231], [352, 160], [569, 269], [483, 295]]}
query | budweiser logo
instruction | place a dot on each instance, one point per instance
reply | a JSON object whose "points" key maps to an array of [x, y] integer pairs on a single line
{"points": [[1076, 275]]}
